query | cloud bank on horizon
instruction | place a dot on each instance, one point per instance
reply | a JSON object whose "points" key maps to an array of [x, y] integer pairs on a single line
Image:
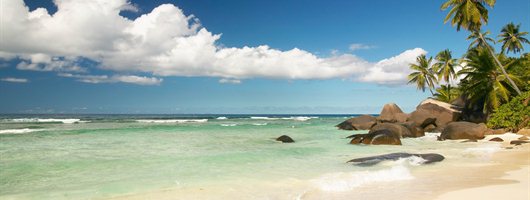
{"points": [[163, 42]]}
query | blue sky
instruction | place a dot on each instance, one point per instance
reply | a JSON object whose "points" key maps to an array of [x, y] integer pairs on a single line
{"points": [[77, 64]]}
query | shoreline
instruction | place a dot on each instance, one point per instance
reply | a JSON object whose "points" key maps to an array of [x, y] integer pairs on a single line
{"points": [[508, 177], [504, 174]]}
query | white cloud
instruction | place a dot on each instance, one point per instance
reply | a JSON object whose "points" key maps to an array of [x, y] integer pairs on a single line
{"points": [[358, 46], [138, 80], [164, 42], [393, 70], [230, 81], [14, 80]]}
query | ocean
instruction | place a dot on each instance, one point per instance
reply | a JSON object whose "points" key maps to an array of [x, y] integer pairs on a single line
{"points": [[210, 157]]}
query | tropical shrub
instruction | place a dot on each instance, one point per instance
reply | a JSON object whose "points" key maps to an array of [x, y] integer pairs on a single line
{"points": [[513, 115]]}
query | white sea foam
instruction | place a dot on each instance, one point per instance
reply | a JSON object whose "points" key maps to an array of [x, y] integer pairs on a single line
{"points": [[259, 124], [172, 120], [484, 151], [264, 118], [299, 118], [412, 160], [19, 131], [222, 118], [46, 120], [228, 124], [430, 136], [344, 181]]}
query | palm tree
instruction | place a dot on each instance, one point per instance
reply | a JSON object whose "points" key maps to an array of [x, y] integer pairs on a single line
{"points": [[477, 42], [512, 39], [423, 74], [445, 68], [443, 93], [470, 14], [482, 83]]}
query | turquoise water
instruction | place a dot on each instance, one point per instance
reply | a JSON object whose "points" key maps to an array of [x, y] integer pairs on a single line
{"points": [[102, 157]]}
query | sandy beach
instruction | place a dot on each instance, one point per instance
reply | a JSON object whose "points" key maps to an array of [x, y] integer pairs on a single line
{"points": [[509, 178]]}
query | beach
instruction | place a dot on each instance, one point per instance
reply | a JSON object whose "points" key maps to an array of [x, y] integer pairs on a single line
{"points": [[237, 157]]}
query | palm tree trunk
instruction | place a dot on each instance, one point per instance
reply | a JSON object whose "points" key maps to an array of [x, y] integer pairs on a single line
{"points": [[499, 64], [448, 93]]}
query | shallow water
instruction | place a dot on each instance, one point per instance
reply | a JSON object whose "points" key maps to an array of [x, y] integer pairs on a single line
{"points": [[109, 156]]}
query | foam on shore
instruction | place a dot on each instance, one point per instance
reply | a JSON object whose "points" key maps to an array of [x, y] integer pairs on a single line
{"points": [[344, 181]]}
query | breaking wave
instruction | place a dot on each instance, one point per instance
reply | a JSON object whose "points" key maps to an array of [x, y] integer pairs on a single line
{"points": [[172, 120], [299, 118], [19, 131], [46, 120]]}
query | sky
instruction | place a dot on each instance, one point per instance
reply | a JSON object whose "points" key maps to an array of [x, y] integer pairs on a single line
{"points": [[223, 57]]}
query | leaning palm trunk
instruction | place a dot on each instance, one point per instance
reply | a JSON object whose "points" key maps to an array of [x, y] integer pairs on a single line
{"points": [[499, 64]]}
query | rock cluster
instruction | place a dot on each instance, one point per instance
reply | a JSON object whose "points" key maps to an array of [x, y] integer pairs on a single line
{"points": [[430, 116]]}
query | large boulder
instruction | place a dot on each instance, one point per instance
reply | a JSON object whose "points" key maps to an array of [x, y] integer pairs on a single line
{"points": [[363, 122], [463, 130], [433, 110], [377, 138], [524, 131], [396, 129], [415, 130], [392, 113], [373, 160]]}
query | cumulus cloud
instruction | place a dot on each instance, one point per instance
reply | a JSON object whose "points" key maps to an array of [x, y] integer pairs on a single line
{"points": [[14, 80], [164, 42], [138, 80], [358, 46]]}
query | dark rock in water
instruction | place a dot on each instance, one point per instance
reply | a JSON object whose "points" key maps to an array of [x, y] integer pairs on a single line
{"points": [[285, 139], [379, 137], [463, 130], [442, 112], [392, 113], [496, 139], [363, 122], [373, 160], [518, 142], [470, 140]]}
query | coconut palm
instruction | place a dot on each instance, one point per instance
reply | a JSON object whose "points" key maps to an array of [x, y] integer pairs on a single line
{"points": [[423, 74], [467, 14], [477, 42], [445, 94], [482, 83], [470, 15], [445, 68], [512, 39]]}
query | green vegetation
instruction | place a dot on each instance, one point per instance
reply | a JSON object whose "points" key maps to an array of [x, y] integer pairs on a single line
{"points": [[490, 84], [423, 74], [513, 115], [512, 39]]}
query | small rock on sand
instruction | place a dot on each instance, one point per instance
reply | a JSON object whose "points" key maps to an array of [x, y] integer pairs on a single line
{"points": [[497, 139]]}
